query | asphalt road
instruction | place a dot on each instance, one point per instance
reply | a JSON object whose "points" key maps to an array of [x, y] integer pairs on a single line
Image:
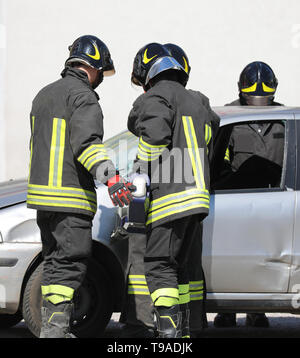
{"points": [[281, 326]]}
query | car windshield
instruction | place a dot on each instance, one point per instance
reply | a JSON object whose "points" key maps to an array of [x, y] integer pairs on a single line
{"points": [[122, 150]]}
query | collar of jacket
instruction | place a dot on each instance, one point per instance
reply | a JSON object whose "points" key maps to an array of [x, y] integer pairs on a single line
{"points": [[81, 75]]}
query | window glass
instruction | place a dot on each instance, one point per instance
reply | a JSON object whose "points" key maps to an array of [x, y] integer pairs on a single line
{"points": [[253, 155]]}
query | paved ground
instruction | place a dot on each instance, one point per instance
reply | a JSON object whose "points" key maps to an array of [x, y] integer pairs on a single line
{"points": [[281, 326]]}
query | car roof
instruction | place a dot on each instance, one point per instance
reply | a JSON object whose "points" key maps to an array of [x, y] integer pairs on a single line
{"points": [[259, 113]]}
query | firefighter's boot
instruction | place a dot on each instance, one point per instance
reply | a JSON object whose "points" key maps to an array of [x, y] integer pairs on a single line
{"points": [[169, 321], [56, 320], [185, 320]]}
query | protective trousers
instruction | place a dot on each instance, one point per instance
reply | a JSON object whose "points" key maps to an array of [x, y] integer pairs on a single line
{"points": [[138, 311], [67, 240], [166, 260]]}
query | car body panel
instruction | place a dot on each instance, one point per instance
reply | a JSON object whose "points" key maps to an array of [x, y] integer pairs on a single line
{"points": [[253, 266], [234, 253]]}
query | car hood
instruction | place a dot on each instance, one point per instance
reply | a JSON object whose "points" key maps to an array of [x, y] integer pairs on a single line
{"points": [[13, 192]]}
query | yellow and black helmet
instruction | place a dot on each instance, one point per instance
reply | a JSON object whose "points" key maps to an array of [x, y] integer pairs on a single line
{"points": [[258, 80], [151, 60], [181, 57], [93, 52]]}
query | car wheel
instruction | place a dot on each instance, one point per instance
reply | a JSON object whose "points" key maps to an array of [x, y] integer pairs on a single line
{"points": [[10, 320], [93, 303]]}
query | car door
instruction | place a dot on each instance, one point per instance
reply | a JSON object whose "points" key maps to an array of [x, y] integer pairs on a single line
{"points": [[247, 243]]}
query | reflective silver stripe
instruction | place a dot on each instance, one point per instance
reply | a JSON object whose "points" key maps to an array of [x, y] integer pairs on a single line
{"points": [[148, 152], [94, 154], [85, 154], [61, 202], [61, 191], [57, 152], [191, 139], [136, 279], [176, 208], [142, 290], [196, 285], [174, 198], [196, 296]]}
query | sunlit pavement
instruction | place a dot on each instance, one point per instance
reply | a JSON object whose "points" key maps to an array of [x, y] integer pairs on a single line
{"points": [[281, 326]]}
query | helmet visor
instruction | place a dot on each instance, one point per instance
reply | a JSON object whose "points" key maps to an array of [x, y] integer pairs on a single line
{"points": [[258, 100], [163, 64]]}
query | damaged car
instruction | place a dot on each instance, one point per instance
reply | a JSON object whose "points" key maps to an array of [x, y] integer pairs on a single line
{"points": [[251, 240]]}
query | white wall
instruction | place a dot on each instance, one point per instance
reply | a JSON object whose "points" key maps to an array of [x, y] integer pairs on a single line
{"points": [[219, 36], [2, 92]]}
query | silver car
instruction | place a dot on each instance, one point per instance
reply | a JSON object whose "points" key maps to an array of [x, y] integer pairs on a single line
{"points": [[251, 243]]}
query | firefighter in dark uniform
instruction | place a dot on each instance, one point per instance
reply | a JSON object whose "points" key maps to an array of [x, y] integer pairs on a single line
{"points": [[197, 288], [138, 309], [251, 147], [172, 125], [67, 153]]}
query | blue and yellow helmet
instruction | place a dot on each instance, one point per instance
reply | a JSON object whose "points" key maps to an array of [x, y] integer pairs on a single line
{"points": [[150, 61]]}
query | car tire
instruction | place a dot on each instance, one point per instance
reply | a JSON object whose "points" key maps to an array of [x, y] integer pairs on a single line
{"points": [[10, 320], [93, 303]]}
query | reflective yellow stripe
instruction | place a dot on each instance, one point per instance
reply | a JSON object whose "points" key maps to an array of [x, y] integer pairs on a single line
{"points": [[193, 148], [92, 155], [99, 158], [178, 199], [61, 153], [168, 295], [52, 151], [138, 290], [207, 133], [57, 152], [170, 319], [152, 146], [55, 313], [64, 189], [166, 301], [195, 285], [267, 89], [196, 296], [62, 290], [196, 290], [31, 144], [176, 209], [227, 155], [62, 196], [89, 151], [184, 294], [183, 288], [179, 195], [137, 279], [137, 285], [148, 152], [61, 202], [251, 88], [184, 298]]}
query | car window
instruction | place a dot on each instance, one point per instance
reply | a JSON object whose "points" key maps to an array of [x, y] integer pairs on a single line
{"points": [[122, 150], [250, 155]]}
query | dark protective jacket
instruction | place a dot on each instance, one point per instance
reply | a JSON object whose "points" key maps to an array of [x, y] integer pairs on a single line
{"points": [[66, 146], [175, 134], [265, 140]]}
